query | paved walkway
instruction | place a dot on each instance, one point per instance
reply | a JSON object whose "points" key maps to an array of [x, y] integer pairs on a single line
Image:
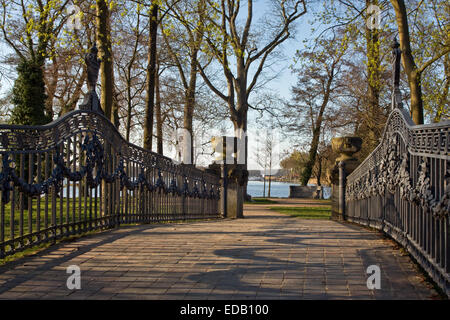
{"points": [[264, 256]]}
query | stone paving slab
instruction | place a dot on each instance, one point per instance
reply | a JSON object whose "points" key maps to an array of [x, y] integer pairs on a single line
{"points": [[264, 256]]}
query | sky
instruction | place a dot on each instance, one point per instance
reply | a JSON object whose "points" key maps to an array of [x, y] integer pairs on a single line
{"points": [[281, 85]]}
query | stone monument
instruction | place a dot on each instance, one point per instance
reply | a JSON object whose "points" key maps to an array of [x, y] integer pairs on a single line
{"points": [[91, 101]]}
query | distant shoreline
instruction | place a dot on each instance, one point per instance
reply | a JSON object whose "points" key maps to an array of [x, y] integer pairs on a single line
{"points": [[273, 180], [279, 189]]}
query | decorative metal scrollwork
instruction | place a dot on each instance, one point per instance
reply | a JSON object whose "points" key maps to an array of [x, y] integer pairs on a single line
{"points": [[95, 161], [393, 173]]}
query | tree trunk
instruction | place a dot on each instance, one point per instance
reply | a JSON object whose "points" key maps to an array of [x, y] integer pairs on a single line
{"points": [[190, 102], [415, 87], [373, 90], [307, 171], [129, 106], [151, 74], [414, 77], [264, 188], [159, 119], [105, 52], [319, 171]]}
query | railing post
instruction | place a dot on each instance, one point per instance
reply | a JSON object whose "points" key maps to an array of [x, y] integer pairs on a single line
{"points": [[217, 170], [342, 177], [2, 225], [345, 164], [53, 223], [233, 176]]}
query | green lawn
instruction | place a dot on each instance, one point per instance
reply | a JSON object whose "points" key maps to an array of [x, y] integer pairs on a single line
{"points": [[323, 212], [64, 213], [260, 201], [79, 214]]}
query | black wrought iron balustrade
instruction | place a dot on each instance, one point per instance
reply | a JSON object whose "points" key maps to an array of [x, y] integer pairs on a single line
{"points": [[78, 174], [403, 188]]}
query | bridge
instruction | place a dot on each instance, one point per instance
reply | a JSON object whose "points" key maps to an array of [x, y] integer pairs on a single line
{"points": [[152, 228]]}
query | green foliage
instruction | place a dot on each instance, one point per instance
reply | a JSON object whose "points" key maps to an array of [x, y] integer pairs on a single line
{"points": [[430, 39], [295, 162], [306, 174], [29, 95], [260, 201]]}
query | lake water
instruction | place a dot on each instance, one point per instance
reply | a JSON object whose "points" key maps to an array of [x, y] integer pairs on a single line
{"points": [[277, 189], [256, 188]]}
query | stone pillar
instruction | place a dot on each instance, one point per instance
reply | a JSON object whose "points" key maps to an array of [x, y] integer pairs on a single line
{"points": [[233, 177], [236, 179], [344, 165]]}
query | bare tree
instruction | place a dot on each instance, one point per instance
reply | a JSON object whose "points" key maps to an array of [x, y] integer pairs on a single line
{"points": [[130, 65], [266, 151], [151, 74], [227, 38], [184, 45], [316, 86]]}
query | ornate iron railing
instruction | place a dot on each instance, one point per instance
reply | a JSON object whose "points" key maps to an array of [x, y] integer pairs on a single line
{"points": [[78, 174], [403, 188]]}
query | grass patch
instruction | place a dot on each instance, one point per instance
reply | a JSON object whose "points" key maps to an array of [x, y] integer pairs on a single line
{"points": [[65, 212], [260, 201], [325, 201], [68, 210], [321, 213]]}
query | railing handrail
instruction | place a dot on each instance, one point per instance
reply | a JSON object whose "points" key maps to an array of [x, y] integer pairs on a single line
{"points": [[52, 124], [410, 127], [66, 119], [71, 114]]}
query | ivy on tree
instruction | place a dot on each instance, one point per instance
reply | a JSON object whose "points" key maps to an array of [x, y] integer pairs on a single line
{"points": [[29, 95]]}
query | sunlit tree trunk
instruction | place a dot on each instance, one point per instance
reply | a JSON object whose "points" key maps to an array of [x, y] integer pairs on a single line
{"points": [[411, 70], [159, 118], [106, 56], [373, 89], [151, 74]]}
